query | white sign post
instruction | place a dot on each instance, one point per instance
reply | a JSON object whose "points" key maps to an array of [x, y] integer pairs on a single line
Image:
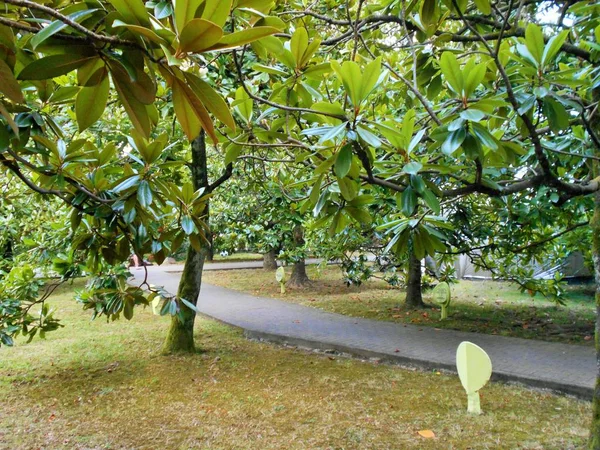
{"points": [[280, 277], [441, 296], [474, 370]]}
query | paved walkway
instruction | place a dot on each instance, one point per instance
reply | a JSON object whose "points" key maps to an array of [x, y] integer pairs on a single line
{"points": [[562, 367]]}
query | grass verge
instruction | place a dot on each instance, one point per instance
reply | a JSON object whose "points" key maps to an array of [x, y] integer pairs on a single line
{"points": [[97, 385], [481, 306], [237, 257]]}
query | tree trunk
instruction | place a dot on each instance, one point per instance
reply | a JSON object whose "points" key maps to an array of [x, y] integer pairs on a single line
{"points": [[595, 226], [210, 253], [299, 277], [269, 261], [180, 337], [414, 297]]}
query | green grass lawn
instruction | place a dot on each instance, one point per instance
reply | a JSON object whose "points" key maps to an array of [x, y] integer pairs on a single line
{"points": [[481, 306], [98, 385], [237, 257]]}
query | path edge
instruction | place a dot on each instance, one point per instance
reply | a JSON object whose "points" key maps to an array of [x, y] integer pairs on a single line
{"points": [[399, 359]]}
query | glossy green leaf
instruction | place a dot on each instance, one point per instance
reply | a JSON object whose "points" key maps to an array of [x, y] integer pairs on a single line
{"points": [[452, 73], [428, 11], [359, 214], [133, 11], [484, 6], [187, 225], [9, 85], [127, 183], [90, 103], [534, 40], [349, 74], [190, 112], [198, 35], [233, 151], [142, 31], [144, 194], [163, 9], [368, 137], [473, 76], [412, 168], [299, 44], [472, 114], [243, 37], [484, 136], [185, 10], [53, 66], [243, 104], [453, 141], [343, 161], [333, 132], [553, 47], [409, 201], [309, 52], [431, 200], [348, 188], [556, 113], [211, 99], [57, 26], [136, 110], [216, 11]]}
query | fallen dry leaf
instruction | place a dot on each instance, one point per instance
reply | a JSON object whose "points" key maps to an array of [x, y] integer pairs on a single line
{"points": [[428, 434]]}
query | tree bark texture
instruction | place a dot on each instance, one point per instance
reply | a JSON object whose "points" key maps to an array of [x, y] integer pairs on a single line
{"points": [[299, 278], [180, 337], [269, 260], [414, 296]]}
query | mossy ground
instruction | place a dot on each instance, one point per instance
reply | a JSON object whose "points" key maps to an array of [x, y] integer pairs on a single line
{"points": [[481, 306], [98, 385]]}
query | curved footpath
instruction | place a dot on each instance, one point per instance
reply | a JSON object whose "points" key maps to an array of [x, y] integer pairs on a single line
{"points": [[566, 368]]}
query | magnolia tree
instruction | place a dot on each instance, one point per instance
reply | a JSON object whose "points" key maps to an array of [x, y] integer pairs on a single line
{"points": [[62, 64], [438, 104]]}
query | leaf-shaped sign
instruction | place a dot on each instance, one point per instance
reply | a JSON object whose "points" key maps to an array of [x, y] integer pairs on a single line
{"points": [[473, 365]]}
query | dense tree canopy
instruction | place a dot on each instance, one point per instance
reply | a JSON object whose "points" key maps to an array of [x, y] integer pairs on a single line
{"points": [[449, 126]]}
